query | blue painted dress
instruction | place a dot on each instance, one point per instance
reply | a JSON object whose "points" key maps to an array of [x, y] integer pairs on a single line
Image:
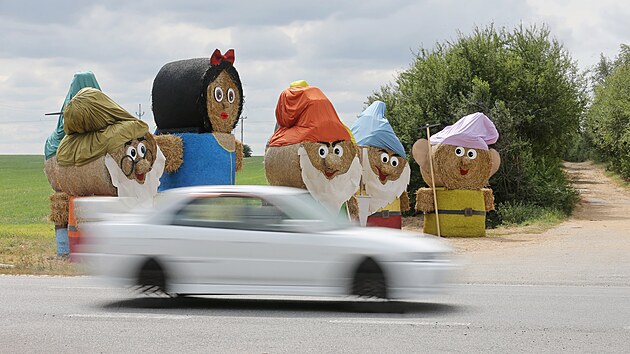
{"points": [[205, 162]]}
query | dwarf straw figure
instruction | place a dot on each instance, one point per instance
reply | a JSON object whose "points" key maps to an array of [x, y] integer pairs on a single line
{"points": [[106, 152], [59, 199], [103, 142], [386, 171], [463, 164], [311, 148], [196, 105]]}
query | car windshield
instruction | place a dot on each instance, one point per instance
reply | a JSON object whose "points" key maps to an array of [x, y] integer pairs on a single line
{"points": [[302, 208]]}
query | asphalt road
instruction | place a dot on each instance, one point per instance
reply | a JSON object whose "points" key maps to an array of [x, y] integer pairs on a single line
{"points": [[79, 315], [566, 290]]}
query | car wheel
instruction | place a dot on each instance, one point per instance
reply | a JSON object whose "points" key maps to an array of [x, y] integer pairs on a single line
{"points": [[369, 281], [152, 279]]}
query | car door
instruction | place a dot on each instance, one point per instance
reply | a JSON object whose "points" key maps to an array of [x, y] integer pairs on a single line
{"points": [[237, 239], [286, 256], [214, 240]]}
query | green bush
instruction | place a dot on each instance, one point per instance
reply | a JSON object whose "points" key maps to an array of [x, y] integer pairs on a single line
{"points": [[607, 122], [518, 213], [528, 85]]}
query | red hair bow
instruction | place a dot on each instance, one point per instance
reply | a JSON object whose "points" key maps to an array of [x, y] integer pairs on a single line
{"points": [[217, 57]]}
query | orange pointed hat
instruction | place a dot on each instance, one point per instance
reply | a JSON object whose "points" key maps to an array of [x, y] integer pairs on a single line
{"points": [[303, 114]]}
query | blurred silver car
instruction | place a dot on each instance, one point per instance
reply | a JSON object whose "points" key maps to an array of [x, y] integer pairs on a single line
{"points": [[260, 240]]}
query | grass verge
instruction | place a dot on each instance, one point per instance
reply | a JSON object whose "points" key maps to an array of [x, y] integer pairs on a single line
{"points": [[31, 249]]}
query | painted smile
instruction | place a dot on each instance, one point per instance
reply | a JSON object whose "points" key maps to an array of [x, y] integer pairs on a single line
{"points": [[140, 177], [330, 174], [224, 115], [381, 175], [463, 172]]}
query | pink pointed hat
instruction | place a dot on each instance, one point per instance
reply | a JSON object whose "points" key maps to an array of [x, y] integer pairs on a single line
{"points": [[472, 131]]}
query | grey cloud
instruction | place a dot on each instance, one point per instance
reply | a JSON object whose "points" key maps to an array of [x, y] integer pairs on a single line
{"points": [[347, 48]]}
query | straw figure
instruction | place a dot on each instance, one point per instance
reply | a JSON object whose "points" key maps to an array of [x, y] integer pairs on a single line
{"points": [[386, 171], [105, 151], [196, 105], [59, 199], [311, 148], [462, 165]]}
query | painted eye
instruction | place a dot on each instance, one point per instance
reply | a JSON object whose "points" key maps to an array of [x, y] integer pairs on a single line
{"points": [[460, 151], [218, 94], [384, 158], [231, 95], [323, 152], [394, 161], [472, 154], [338, 150], [142, 150], [131, 151]]}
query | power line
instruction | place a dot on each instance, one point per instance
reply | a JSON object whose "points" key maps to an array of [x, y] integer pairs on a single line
{"points": [[23, 121]]}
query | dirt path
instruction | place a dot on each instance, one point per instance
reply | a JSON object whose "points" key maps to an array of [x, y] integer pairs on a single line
{"points": [[592, 247]]}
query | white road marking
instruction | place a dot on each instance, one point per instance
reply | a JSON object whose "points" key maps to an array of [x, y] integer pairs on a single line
{"points": [[582, 286], [402, 322], [82, 288], [131, 315]]}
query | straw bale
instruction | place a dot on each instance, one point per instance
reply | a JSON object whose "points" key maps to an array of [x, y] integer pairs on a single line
{"points": [[376, 163], [447, 167], [426, 177], [173, 149], [282, 166], [488, 198], [51, 169], [59, 208], [89, 179], [424, 200], [332, 162], [239, 155], [457, 225], [214, 108], [227, 140], [210, 79], [421, 154], [178, 87], [175, 93], [353, 208], [404, 202]]}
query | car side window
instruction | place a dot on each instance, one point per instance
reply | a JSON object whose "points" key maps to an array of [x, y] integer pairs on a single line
{"points": [[230, 212]]}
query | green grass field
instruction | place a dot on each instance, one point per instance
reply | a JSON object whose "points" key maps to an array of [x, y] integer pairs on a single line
{"points": [[24, 190], [27, 238], [253, 171]]}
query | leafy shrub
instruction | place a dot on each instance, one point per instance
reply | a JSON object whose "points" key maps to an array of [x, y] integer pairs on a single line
{"points": [[518, 213], [524, 80]]}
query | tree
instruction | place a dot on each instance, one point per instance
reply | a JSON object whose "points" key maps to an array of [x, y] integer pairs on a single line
{"points": [[607, 123], [524, 80], [247, 151]]}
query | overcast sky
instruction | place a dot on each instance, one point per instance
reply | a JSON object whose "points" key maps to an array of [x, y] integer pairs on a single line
{"points": [[346, 48]]}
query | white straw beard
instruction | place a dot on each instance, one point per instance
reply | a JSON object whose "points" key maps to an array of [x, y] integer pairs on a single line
{"points": [[330, 192], [383, 194], [144, 193]]}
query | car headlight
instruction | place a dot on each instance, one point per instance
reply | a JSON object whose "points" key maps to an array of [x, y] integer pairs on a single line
{"points": [[429, 257]]}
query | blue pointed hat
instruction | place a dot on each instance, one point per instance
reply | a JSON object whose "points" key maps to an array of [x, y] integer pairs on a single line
{"points": [[373, 129]]}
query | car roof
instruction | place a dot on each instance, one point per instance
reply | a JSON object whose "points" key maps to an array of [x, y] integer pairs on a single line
{"points": [[238, 189]]}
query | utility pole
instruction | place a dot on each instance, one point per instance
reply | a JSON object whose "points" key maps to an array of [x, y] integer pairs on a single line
{"points": [[242, 121], [140, 113]]}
